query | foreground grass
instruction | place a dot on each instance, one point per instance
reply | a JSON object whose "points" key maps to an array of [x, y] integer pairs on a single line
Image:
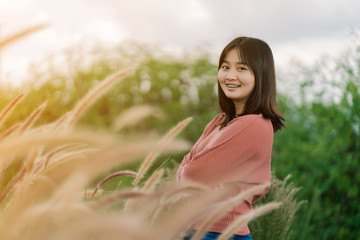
{"points": [[45, 197]]}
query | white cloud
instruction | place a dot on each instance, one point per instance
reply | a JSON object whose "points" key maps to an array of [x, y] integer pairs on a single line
{"points": [[292, 28]]}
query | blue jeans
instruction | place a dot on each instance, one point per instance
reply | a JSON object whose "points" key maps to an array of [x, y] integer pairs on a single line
{"points": [[215, 235]]}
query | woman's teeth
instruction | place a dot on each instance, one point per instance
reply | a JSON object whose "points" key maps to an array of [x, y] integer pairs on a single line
{"points": [[233, 86]]}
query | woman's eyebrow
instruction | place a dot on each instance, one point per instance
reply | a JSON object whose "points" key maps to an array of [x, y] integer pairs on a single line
{"points": [[237, 63]]}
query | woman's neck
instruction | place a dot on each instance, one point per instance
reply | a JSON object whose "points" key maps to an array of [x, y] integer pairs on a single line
{"points": [[239, 107]]}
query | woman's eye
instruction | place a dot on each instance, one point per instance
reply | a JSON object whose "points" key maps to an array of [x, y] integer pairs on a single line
{"points": [[242, 68], [225, 67]]}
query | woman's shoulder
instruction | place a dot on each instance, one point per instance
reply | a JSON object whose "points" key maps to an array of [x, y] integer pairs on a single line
{"points": [[251, 118], [255, 121]]}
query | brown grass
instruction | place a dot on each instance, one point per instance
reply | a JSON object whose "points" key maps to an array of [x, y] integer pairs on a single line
{"points": [[31, 119], [116, 197], [7, 110], [135, 114], [58, 150], [94, 94], [111, 176], [151, 183], [9, 131], [44, 198], [21, 34], [154, 154]]}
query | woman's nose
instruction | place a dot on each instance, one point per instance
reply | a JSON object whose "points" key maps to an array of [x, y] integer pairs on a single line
{"points": [[231, 74]]}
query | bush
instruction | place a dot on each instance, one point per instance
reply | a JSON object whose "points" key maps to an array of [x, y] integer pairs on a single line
{"points": [[276, 224]]}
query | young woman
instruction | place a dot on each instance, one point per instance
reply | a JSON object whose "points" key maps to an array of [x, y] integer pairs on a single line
{"points": [[236, 145]]}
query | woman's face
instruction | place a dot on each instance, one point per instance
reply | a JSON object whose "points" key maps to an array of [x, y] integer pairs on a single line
{"points": [[236, 79]]}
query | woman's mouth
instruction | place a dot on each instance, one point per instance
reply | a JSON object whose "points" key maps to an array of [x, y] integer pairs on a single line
{"points": [[233, 86]]}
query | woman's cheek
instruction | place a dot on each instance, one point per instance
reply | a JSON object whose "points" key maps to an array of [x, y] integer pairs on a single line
{"points": [[220, 75]]}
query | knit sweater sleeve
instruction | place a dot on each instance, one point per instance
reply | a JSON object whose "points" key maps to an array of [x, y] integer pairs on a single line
{"points": [[211, 126], [240, 153]]}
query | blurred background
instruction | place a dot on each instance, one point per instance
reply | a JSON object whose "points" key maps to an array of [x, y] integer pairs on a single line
{"points": [[176, 45]]}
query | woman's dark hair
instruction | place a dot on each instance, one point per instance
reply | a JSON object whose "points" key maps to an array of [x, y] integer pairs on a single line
{"points": [[257, 55]]}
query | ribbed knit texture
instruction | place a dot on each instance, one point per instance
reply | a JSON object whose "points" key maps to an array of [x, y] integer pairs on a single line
{"points": [[239, 152]]}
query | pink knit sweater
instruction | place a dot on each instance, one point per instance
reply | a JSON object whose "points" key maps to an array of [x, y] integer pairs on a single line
{"points": [[239, 152]]}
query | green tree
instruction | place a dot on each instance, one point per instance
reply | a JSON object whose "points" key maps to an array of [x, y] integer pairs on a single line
{"points": [[321, 148]]}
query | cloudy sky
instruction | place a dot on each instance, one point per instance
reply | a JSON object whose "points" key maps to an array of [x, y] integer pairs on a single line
{"points": [[294, 29]]}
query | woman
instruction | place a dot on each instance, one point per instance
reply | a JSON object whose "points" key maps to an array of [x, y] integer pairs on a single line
{"points": [[236, 145]]}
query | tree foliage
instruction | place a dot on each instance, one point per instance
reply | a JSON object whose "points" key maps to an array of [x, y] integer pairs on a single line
{"points": [[321, 148]]}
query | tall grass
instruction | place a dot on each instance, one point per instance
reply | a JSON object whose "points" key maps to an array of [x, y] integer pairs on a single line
{"points": [[56, 162], [44, 198], [21, 34]]}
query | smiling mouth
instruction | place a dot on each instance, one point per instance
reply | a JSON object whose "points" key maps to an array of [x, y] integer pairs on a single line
{"points": [[233, 86]]}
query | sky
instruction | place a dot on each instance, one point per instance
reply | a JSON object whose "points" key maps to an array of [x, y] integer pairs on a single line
{"points": [[294, 29]]}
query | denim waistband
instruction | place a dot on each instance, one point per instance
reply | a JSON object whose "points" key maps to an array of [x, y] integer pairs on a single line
{"points": [[215, 235]]}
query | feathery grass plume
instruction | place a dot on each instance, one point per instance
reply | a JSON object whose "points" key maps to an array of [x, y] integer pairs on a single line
{"points": [[57, 210], [184, 216], [21, 34], [111, 176], [175, 195], [25, 169], [148, 187], [34, 190], [170, 191], [31, 119], [57, 150], [69, 190], [64, 196], [45, 220], [68, 156], [94, 94], [40, 216], [115, 155], [134, 115], [153, 155], [88, 192], [244, 219], [60, 122], [29, 162], [7, 209], [7, 110], [10, 186], [9, 131], [177, 129], [117, 196], [155, 178], [49, 139], [152, 207], [29, 140], [223, 208]]}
